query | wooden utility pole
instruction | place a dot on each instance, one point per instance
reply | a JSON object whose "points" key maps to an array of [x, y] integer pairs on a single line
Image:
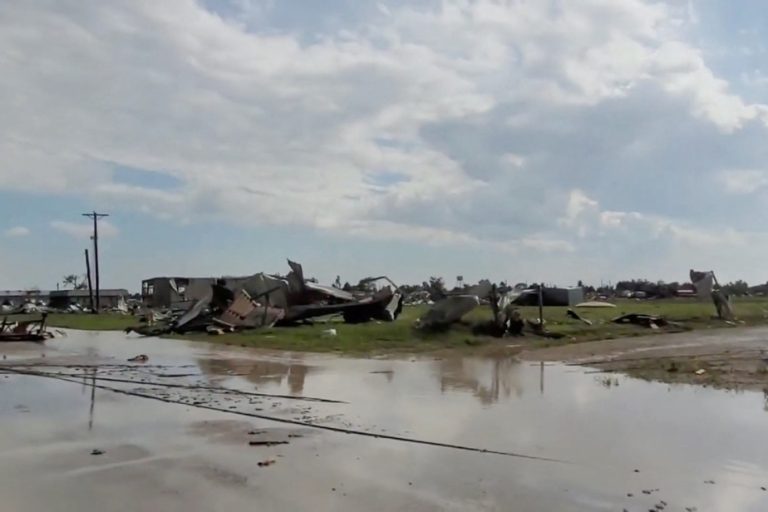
{"points": [[541, 304], [96, 216], [90, 284]]}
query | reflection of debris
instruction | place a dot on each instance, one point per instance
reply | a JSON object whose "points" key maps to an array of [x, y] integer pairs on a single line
{"points": [[150, 394], [264, 300], [141, 358], [25, 330], [266, 443], [265, 463], [571, 313]]}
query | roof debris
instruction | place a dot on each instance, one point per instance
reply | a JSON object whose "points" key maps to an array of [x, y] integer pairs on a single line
{"points": [[265, 300]]}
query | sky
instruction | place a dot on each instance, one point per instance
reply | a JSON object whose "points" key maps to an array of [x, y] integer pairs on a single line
{"points": [[516, 140]]}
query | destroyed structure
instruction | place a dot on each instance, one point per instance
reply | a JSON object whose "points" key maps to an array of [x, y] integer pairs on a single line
{"points": [[174, 292], [260, 300], [503, 303], [81, 299], [16, 298], [707, 287], [24, 329]]}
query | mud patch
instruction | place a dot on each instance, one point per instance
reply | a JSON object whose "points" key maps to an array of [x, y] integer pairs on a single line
{"points": [[722, 359], [235, 432]]}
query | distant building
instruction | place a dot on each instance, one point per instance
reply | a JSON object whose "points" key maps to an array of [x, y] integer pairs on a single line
{"points": [[20, 297], [108, 299]]}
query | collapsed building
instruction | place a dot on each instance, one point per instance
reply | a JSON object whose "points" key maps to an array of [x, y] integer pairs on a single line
{"points": [[174, 292], [261, 300]]}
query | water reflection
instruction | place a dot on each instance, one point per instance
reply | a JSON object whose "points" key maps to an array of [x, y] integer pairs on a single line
{"points": [[259, 372], [93, 398], [488, 379], [679, 437]]}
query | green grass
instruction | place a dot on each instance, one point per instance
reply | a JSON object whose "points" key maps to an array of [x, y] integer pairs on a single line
{"points": [[399, 336], [85, 321], [368, 338], [689, 313]]}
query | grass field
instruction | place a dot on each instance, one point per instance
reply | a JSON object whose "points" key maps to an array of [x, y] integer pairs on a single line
{"points": [[88, 322], [400, 336]]}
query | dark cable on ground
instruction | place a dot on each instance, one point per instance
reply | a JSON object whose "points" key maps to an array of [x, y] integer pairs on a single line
{"points": [[285, 420]]}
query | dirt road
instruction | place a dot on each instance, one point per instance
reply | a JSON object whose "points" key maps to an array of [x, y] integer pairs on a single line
{"points": [[728, 358]]}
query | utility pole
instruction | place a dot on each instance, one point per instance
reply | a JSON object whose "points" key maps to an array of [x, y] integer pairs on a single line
{"points": [[96, 216], [90, 284], [541, 305]]}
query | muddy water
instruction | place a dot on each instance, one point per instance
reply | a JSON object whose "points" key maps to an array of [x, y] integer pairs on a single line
{"points": [[613, 437]]}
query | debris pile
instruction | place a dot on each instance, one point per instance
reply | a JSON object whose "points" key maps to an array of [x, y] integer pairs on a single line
{"points": [[451, 309], [25, 330], [706, 286], [266, 300]]}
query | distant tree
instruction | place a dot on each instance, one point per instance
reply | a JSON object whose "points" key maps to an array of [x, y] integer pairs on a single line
{"points": [[410, 288], [72, 280], [736, 288], [366, 285], [436, 288]]}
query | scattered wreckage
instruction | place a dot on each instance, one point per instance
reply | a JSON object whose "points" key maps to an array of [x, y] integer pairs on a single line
{"points": [[707, 287], [266, 300], [452, 308], [34, 329]]}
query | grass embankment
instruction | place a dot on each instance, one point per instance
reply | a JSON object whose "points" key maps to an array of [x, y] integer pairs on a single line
{"points": [[89, 322], [400, 336]]}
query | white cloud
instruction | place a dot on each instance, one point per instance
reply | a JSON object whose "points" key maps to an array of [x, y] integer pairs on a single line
{"points": [[744, 181], [578, 205], [17, 231], [84, 230], [541, 125]]}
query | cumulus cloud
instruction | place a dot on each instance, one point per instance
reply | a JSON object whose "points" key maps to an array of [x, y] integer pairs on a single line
{"points": [[84, 230], [511, 125], [17, 231], [744, 181]]}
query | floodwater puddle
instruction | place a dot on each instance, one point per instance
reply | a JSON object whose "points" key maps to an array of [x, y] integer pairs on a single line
{"points": [[194, 437]]}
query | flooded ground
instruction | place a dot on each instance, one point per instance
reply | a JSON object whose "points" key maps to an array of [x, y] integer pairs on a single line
{"points": [[188, 442]]}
